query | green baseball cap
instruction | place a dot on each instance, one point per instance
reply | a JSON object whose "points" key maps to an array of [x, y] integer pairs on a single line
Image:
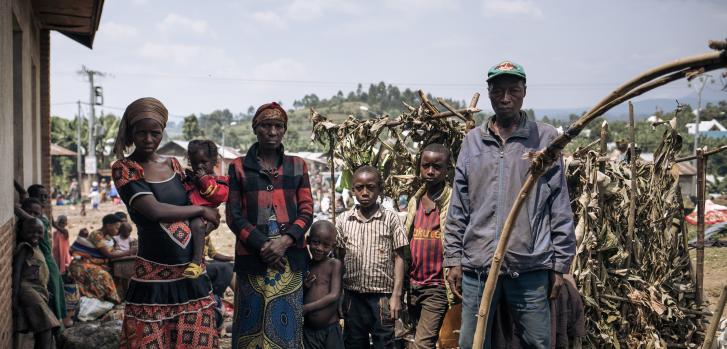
{"points": [[506, 67]]}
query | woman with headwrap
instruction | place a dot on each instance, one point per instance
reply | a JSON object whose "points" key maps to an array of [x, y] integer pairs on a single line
{"points": [[269, 209], [163, 308]]}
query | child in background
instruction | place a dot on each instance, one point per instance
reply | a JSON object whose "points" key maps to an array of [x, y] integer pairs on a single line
{"points": [[204, 188], [94, 196], [371, 242], [83, 233], [30, 277], [55, 281], [123, 240], [61, 245], [322, 290]]}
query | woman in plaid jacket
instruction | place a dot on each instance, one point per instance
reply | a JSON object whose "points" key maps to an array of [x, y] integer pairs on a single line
{"points": [[269, 208]]}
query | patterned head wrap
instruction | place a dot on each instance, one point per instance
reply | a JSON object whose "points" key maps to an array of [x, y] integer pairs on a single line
{"points": [[270, 111], [140, 109]]}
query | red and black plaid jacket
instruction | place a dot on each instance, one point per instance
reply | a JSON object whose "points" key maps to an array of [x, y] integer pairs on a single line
{"points": [[255, 195]]}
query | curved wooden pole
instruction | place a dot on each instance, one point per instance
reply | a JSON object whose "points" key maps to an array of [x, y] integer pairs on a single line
{"points": [[546, 157], [716, 316]]}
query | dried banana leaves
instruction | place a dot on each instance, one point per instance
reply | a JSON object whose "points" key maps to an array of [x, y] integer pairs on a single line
{"points": [[642, 296]]}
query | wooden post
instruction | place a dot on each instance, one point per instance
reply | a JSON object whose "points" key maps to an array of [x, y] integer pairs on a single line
{"points": [[700, 225], [603, 146], [634, 183], [332, 143], [470, 124], [716, 316]]}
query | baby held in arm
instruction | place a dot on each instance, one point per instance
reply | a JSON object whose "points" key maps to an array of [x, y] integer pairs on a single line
{"points": [[322, 290], [204, 188]]}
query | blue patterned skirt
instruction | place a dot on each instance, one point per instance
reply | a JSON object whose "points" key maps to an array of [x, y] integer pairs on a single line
{"points": [[269, 310]]}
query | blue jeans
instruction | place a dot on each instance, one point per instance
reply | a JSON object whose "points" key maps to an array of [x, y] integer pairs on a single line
{"points": [[527, 298]]}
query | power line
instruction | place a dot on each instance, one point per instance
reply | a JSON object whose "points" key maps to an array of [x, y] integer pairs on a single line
{"points": [[245, 80]]}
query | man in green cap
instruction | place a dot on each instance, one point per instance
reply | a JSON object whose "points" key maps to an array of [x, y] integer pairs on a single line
{"points": [[491, 169]]}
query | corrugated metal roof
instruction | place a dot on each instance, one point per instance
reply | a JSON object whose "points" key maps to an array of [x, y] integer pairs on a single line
{"points": [[57, 150]]}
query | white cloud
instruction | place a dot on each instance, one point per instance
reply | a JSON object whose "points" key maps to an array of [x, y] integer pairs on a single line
{"points": [[179, 54], [174, 23], [411, 6], [192, 60], [280, 69], [118, 31], [514, 8], [270, 19], [313, 9]]}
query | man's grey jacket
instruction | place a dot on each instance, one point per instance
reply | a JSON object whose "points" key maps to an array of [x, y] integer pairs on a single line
{"points": [[487, 179]]}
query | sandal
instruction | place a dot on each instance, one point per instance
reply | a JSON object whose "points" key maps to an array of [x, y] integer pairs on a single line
{"points": [[193, 271]]}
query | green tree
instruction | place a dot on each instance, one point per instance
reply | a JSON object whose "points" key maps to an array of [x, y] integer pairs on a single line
{"points": [[190, 128]]}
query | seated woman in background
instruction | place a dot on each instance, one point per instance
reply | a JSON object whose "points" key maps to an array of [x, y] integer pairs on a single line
{"points": [[90, 266]]}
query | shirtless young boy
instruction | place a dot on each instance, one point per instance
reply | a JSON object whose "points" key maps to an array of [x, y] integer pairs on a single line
{"points": [[322, 290]]}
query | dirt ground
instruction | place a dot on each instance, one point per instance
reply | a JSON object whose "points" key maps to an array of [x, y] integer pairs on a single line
{"points": [[715, 272]]}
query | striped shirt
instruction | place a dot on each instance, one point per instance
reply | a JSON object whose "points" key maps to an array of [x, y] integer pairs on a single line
{"points": [[370, 245], [426, 249]]}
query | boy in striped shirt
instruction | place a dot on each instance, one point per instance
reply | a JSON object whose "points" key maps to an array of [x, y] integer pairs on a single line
{"points": [[371, 241]]}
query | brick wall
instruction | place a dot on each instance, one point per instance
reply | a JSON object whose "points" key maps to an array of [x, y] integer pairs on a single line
{"points": [[7, 242]]}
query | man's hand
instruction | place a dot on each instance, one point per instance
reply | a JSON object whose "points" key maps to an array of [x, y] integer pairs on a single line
{"points": [[454, 278], [273, 250], [556, 281], [394, 306]]}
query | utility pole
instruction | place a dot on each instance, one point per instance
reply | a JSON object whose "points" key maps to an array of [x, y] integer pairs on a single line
{"points": [[91, 150], [78, 147]]}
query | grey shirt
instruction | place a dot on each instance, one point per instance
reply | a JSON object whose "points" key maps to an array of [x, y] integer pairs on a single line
{"points": [[488, 177]]}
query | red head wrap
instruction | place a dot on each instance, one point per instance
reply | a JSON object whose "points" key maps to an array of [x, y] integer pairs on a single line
{"points": [[270, 111]]}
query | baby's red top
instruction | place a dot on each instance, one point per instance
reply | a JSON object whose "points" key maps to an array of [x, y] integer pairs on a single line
{"points": [[211, 190]]}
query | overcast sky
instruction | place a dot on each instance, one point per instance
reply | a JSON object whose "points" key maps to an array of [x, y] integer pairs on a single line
{"points": [[197, 56]]}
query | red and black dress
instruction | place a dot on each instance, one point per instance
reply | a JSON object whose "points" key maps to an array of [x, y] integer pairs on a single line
{"points": [[163, 308]]}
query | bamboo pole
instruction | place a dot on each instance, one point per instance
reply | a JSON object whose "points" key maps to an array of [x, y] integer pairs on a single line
{"points": [[440, 115], [706, 154], [545, 158], [427, 104], [700, 225], [634, 183], [470, 116], [451, 109], [716, 316], [497, 258], [603, 146], [332, 141]]}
